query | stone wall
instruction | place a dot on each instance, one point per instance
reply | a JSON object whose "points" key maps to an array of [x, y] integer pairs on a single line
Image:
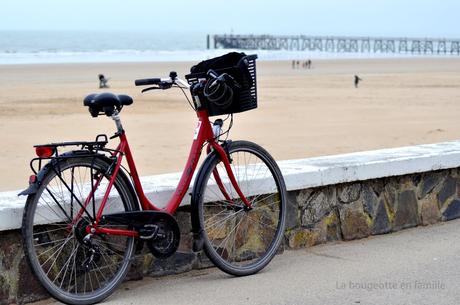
{"points": [[316, 215], [360, 209]]}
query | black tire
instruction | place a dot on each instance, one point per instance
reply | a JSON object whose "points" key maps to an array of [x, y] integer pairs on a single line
{"points": [[54, 250], [256, 234]]}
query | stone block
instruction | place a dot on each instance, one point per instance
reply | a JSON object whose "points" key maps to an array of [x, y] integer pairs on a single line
{"points": [[378, 186], [301, 238], [29, 289], [303, 196], [405, 182], [416, 179], [391, 194], [292, 212], [428, 183], [406, 215], [332, 228], [328, 229], [381, 223], [370, 200], [452, 211], [11, 255], [447, 190], [319, 205], [349, 192], [355, 223], [429, 210]]}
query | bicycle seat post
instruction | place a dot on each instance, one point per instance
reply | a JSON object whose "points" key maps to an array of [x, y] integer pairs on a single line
{"points": [[116, 117]]}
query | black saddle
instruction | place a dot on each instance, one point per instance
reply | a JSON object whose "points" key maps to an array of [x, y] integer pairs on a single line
{"points": [[106, 103]]}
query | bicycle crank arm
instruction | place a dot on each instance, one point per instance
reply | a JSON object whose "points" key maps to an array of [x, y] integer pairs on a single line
{"points": [[144, 223]]}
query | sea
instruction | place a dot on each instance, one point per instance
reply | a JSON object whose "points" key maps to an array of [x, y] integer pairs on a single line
{"points": [[37, 47]]}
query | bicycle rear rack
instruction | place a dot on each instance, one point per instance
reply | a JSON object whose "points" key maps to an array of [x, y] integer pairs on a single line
{"points": [[98, 144], [93, 147]]}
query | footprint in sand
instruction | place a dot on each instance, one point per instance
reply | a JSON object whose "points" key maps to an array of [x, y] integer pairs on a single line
{"points": [[436, 130]]}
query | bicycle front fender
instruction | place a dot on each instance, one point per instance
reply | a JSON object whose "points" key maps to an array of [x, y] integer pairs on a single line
{"points": [[194, 215], [196, 195]]}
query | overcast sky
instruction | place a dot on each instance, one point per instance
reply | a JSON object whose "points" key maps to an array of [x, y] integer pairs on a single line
{"points": [[423, 18]]}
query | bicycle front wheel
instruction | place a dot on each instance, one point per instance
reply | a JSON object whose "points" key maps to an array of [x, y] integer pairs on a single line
{"points": [[73, 266], [237, 240]]}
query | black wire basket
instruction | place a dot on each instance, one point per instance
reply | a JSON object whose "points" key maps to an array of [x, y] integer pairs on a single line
{"points": [[243, 71]]}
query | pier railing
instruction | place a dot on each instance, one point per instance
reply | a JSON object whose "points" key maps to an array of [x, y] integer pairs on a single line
{"points": [[337, 44]]}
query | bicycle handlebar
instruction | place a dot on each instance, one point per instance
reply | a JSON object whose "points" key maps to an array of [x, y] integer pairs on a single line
{"points": [[163, 83], [166, 83], [147, 81]]}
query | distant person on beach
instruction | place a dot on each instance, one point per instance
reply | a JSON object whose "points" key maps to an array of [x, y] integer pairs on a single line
{"points": [[103, 81], [357, 80], [298, 64], [293, 64], [309, 64]]}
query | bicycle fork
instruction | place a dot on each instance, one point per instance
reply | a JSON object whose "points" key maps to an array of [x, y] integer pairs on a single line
{"points": [[224, 155]]}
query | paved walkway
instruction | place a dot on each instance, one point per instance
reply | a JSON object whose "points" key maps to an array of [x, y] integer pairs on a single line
{"points": [[415, 266]]}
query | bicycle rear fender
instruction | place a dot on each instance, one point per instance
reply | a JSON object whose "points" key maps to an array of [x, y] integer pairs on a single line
{"points": [[54, 162]]}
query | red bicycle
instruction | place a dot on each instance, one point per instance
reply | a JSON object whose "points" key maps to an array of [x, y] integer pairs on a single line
{"points": [[86, 214]]}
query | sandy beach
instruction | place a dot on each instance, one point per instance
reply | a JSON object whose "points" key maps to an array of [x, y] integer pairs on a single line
{"points": [[302, 113]]}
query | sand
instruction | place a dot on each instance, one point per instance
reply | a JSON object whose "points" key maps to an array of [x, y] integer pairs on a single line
{"points": [[302, 113]]}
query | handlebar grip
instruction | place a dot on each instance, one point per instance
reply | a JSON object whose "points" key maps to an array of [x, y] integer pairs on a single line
{"points": [[147, 81]]}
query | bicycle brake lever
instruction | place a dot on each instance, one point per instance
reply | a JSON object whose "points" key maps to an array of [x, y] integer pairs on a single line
{"points": [[165, 85], [149, 88]]}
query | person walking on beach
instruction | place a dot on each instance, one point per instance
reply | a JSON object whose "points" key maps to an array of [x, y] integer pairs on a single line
{"points": [[357, 80], [103, 81], [309, 64]]}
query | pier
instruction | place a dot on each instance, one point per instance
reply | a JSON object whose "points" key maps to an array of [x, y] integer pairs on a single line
{"points": [[337, 44]]}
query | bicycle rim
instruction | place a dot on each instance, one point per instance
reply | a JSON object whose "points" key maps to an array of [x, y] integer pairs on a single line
{"points": [[241, 241], [68, 267]]}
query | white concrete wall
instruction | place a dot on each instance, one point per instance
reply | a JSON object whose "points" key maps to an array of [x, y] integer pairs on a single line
{"points": [[299, 174]]}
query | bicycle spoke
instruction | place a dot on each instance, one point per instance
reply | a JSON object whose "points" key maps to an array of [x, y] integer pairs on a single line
{"points": [[49, 231], [66, 266], [223, 220], [230, 234], [273, 227], [59, 251], [74, 266], [51, 242]]}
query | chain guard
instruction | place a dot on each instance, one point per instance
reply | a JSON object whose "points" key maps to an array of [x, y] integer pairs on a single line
{"points": [[158, 229], [166, 241]]}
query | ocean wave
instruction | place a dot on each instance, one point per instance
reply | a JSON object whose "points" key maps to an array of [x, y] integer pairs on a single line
{"points": [[132, 55]]}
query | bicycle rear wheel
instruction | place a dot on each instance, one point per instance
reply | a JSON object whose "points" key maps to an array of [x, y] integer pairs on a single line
{"points": [[72, 269], [237, 240]]}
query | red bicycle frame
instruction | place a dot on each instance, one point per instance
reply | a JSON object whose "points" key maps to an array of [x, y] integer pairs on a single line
{"points": [[203, 134]]}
